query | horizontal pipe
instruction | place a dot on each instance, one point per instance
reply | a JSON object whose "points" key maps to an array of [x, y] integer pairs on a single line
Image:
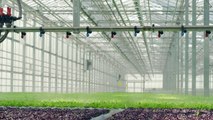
{"points": [[107, 29]]}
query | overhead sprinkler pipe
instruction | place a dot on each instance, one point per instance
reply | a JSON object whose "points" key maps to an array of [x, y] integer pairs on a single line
{"points": [[113, 30], [109, 29]]}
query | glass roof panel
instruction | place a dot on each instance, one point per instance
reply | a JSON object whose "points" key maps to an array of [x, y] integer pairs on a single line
{"points": [[145, 50]]}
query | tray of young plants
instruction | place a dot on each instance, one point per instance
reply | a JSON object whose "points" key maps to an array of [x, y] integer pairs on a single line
{"points": [[111, 106]]}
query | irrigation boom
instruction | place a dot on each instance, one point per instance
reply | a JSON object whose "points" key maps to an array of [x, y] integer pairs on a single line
{"points": [[108, 29]]}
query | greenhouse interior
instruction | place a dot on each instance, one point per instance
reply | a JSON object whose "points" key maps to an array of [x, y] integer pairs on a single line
{"points": [[109, 57]]}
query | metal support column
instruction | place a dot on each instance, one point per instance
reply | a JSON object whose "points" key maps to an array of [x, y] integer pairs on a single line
{"points": [[167, 74], [206, 50], [174, 84], [172, 77], [108, 77], [142, 84], [89, 82], [178, 63], [186, 47], [181, 65], [93, 72], [134, 86], [67, 72], [103, 82], [56, 64], [12, 55], [80, 70], [84, 70], [34, 54], [76, 14], [50, 59], [72, 64], [97, 72], [24, 59], [164, 77], [194, 48], [76, 70], [62, 65], [42, 64]]}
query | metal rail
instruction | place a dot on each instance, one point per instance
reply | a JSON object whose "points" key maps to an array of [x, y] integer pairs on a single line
{"points": [[108, 29]]}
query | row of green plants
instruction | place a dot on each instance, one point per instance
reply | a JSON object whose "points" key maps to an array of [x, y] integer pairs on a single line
{"points": [[105, 100]]}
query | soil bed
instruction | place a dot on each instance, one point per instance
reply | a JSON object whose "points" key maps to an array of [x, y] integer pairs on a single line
{"points": [[163, 114], [14, 113], [9, 113]]}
